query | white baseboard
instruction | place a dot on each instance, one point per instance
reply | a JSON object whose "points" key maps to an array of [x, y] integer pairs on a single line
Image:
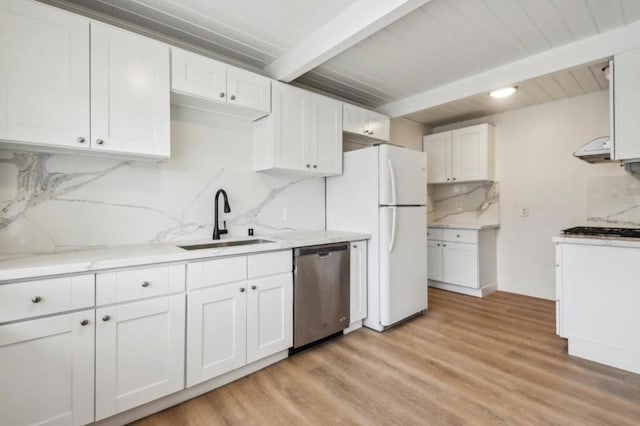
{"points": [[189, 393], [615, 356], [476, 292]]}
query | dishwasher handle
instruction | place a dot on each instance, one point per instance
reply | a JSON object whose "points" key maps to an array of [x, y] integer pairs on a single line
{"points": [[324, 250]]}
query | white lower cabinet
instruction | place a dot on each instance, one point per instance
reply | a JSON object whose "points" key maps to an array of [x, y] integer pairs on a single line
{"points": [[358, 296], [139, 353], [462, 260], [47, 370], [216, 331], [269, 316], [233, 324]]}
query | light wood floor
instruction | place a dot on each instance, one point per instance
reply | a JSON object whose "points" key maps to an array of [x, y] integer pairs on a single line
{"points": [[467, 361]]}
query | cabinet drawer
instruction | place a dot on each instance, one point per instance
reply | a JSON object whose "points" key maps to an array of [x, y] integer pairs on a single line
{"points": [[216, 271], [434, 234], [460, 235], [115, 287], [34, 298], [279, 262]]}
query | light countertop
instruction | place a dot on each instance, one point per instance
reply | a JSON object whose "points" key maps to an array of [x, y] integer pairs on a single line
{"points": [[29, 266], [598, 240], [463, 225]]}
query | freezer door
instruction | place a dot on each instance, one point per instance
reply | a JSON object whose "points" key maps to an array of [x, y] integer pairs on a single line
{"points": [[403, 263], [403, 176]]}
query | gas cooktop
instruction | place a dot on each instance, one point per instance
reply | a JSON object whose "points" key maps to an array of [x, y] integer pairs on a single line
{"points": [[603, 232]]}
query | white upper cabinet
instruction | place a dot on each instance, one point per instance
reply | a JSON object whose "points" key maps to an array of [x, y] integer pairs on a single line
{"points": [[625, 85], [325, 147], [67, 82], [366, 123], [438, 149], [129, 93], [197, 75], [302, 135], [461, 155], [204, 83], [247, 89], [44, 76]]}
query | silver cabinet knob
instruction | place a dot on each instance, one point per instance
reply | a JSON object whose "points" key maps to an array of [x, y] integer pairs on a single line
{"points": [[99, 141], [444, 245], [308, 165], [81, 139], [145, 284], [222, 94], [241, 289], [457, 236], [106, 318], [233, 97], [366, 131], [253, 287], [454, 179], [355, 246], [36, 299], [84, 322], [438, 245], [448, 179]]}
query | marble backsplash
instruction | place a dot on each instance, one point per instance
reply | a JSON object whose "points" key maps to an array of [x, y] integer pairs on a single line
{"points": [[58, 202], [468, 203], [613, 201]]}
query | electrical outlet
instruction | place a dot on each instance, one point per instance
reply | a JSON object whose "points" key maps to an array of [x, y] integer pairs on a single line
{"points": [[459, 206], [524, 211], [286, 214]]}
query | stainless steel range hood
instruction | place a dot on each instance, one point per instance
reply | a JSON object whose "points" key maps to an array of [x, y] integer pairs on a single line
{"points": [[596, 151]]}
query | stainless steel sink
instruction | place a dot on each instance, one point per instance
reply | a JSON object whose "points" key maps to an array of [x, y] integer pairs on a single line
{"points": [[218, 244]]}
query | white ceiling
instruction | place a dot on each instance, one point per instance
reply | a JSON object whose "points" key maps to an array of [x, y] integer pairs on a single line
{"points": [[439, 42], [446, 40], [254, 32], [565, 84]]}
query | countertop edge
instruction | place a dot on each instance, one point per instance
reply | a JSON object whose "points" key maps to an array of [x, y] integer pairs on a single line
{"points": [[463, 226], [597, 241], [38, 266]]}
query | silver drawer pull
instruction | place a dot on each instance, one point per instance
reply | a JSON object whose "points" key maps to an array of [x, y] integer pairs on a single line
{"points": [[253, 287], [106, 318], [84, 322], [241, 289], [145, 284], [36, 299], [324, 254]]}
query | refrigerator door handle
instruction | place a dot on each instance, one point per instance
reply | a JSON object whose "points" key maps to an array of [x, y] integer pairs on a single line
{"points": [[392, 177], [392, 241]]}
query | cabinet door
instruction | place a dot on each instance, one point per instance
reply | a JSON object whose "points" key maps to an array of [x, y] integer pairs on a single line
{"points": [[139, 353], [355, 119], [269, 316], [379, 126], [216, 331], [44, 76], [46, 376], [358, 296], [470, 153], [248, 89], [198, 75], [460, 264], [129, 92], [625, 86], [438, 149], [326, 135], [434, 260], [291, 127]]}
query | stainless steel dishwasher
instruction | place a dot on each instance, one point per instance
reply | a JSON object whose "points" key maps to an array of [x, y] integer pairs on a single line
{"points": [[321, 292]]}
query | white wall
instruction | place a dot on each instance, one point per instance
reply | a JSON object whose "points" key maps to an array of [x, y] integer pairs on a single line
{"points": [[55, 202], [407, 133], [536, 169]]}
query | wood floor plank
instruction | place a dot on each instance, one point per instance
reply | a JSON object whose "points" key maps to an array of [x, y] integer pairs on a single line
{"points": [[488, 361]]}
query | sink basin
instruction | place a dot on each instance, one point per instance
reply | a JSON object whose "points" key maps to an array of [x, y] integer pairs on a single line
{"points": [[218, 244]]}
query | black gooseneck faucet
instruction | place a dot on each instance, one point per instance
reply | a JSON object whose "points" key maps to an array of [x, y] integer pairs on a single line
{"points": [[216, 229]]}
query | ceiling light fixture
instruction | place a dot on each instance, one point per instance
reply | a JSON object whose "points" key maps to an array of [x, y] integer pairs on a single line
{"points": [[504, 92]]}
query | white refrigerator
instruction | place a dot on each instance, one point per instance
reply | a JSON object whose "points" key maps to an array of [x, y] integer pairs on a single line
{"points": [[383, 192]]}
